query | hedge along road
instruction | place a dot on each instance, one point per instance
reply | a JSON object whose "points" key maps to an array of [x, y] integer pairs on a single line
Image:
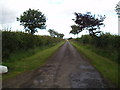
{"points": [[65, 69]]}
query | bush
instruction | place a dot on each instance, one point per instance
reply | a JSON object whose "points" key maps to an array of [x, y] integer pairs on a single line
{"points": [[15, 41], [106, 43]]}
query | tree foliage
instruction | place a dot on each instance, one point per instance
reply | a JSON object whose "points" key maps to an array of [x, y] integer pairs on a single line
{"points": [[75, 29], [89, 22], [32, 20], [117, 9], [60, 35], [54, 33]]}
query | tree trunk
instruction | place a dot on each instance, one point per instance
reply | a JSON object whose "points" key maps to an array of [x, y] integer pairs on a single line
{"points": [[32, 31]]}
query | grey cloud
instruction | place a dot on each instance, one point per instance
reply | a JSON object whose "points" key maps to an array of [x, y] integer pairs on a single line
{"points": [[7, 16]]}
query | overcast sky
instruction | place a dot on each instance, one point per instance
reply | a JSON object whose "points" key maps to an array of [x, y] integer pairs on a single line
{"points": [[59, 13]]}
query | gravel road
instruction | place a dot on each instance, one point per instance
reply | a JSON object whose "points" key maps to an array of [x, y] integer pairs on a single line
{"points": [[65, 69]]}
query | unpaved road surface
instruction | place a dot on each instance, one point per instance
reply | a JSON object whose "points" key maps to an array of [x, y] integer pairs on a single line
{"points": [[65, 69]]}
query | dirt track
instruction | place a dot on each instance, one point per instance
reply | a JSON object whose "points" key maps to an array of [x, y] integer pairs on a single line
{"points": [[65, 69]]}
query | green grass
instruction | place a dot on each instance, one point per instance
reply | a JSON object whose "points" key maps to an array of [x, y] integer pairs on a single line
{"points": [[105, 66], [18, 55], [29, 63], [107, 53]]}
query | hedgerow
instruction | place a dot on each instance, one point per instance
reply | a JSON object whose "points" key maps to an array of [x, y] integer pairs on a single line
{"points": [[16, 41], [106, 44]]}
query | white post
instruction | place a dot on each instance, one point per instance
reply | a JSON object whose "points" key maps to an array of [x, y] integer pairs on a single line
{"points": [[0, 58]]}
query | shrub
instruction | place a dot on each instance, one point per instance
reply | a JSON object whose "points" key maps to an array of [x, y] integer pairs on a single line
{"points": [[15, 41], [106, 42]]}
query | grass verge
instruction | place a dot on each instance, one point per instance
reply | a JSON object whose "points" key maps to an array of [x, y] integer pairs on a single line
{"points": [[29, 63], [106, 67]]}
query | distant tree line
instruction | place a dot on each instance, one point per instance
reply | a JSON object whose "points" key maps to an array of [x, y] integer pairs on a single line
{"points": [[54, 33]]}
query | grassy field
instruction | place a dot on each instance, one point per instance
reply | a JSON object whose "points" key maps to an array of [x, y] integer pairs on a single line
{"points": [[29, 63], [105, 66]]}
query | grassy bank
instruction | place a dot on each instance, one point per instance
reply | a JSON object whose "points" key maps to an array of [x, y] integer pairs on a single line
{"points": [[31, 62], [105, 66]]}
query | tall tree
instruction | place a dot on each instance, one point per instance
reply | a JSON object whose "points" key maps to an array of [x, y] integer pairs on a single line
{"points": [[32, 20], [89, 22]]}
